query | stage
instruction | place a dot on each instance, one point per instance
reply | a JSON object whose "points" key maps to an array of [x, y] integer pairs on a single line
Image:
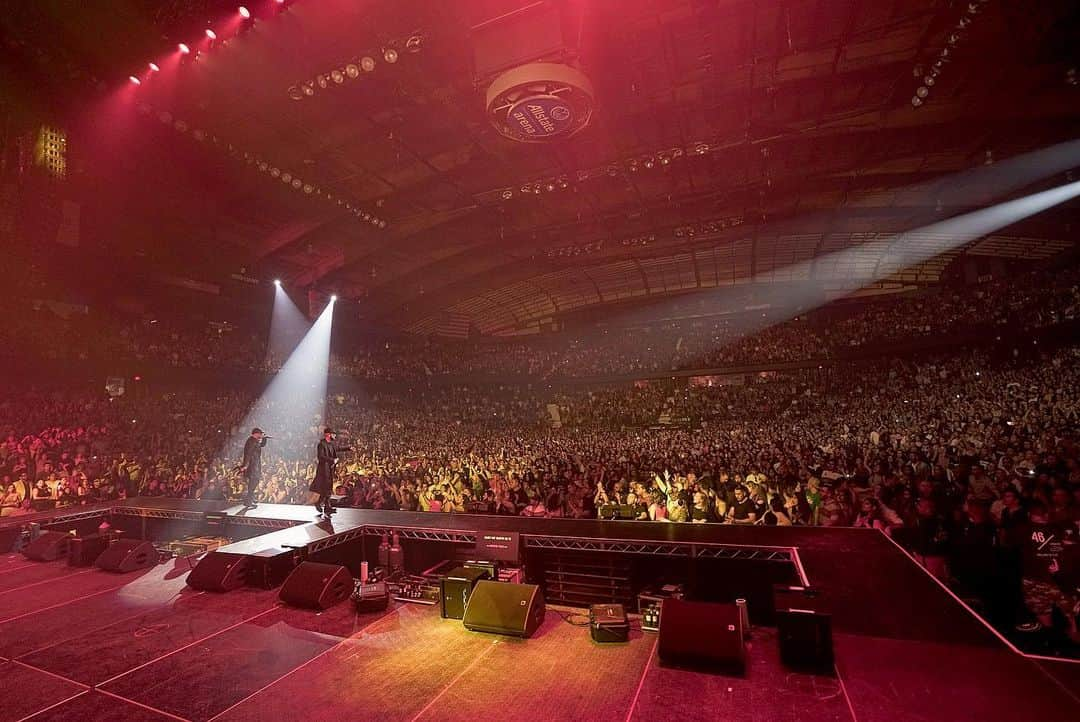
{"points": [[81, 643]]}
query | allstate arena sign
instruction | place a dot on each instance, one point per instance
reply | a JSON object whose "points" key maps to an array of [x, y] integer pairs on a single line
{"points": [[540, 101]]}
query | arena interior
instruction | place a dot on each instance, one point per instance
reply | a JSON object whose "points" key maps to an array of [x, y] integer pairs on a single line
{"points": [[540, 360]]}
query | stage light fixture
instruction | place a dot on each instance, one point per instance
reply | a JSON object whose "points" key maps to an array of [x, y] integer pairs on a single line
{"points": [[295, 93], [286, 177], [244, 12], [153, 67], [922, 91], [277, 282], [263, 166], [323, 82], [308, 188], [211, 34], [390, 55], [367, 63], [507, 194], [184, 49], [333, 299], [275, 172], [414, 43], [916, 101], [649, 163], [296, 183], [382, 223], [337, 76], [134, 80], [308, 88], [352, 70]]}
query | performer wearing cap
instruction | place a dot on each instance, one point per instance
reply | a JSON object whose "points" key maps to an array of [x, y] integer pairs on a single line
{"points": [[251, 467], [326, 455]]}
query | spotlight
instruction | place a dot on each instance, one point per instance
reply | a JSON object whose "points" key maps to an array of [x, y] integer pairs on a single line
{"points": [[352, 70], [211, 34], [367, 63], [286, 177], [308, 188], [916, 101], [665, 160], [337, 76], [333, 298], [308, 88], [153, 67], [184, 49], [390, 55], [296, 183], [134, 80], [323, 82], [277, 282], [922, 91], [649, 162], [928, 81], [275, 172], [382, 223], [295, 93], [414, 43], [244, 12], [507, 194], [701, 148]]}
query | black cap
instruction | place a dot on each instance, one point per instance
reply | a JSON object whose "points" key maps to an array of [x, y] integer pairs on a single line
{"points": [[256, 430], [327, 430]]}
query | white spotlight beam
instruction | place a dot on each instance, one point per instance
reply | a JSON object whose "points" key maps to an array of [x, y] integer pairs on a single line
{"points": [[293, 406], [843, 270], [287, 325]]}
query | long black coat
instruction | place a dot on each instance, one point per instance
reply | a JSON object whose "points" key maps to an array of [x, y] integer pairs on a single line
{"points": [[253, 458], [326, 456]]}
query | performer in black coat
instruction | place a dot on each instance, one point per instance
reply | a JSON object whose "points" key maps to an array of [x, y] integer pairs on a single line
{"points": [[326, 455], [251, 466]]}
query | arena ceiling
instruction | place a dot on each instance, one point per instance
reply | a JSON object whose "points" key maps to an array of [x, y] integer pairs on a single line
{"points": [[730, 139]]}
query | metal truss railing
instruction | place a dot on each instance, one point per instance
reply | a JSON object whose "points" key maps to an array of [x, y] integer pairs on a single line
{"points": [[671, 549], [75, 516], [332, 541], [443, 535], [176, 514], [264, 523]]}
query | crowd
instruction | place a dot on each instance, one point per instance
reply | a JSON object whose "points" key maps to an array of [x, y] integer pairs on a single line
{"points": [[971, 463], [706, 339]]}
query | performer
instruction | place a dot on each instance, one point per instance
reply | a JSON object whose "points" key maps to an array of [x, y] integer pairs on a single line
{"points": [[326, 455], [251, 467]]}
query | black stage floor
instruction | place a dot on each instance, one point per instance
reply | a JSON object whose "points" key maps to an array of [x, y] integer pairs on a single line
{"points": [[86, 644]]}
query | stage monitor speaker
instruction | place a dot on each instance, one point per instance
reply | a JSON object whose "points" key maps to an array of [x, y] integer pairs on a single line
{"points": [[127, 555], [504, 608], [50, 546], [317, 586], [220, 572], [702, 635], [84, 551]]}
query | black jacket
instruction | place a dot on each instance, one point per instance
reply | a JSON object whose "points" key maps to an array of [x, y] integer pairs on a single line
{"points": [[326, 459], [253, 457]]}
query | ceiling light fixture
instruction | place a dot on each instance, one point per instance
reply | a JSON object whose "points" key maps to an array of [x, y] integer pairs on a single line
{"points": [[184, 49], [153, 67], [244, 12], [390, 55], [211, 34], [134, 80]]}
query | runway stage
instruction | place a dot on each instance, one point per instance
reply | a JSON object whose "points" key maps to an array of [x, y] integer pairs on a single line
{"points": [[87, 644]]}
